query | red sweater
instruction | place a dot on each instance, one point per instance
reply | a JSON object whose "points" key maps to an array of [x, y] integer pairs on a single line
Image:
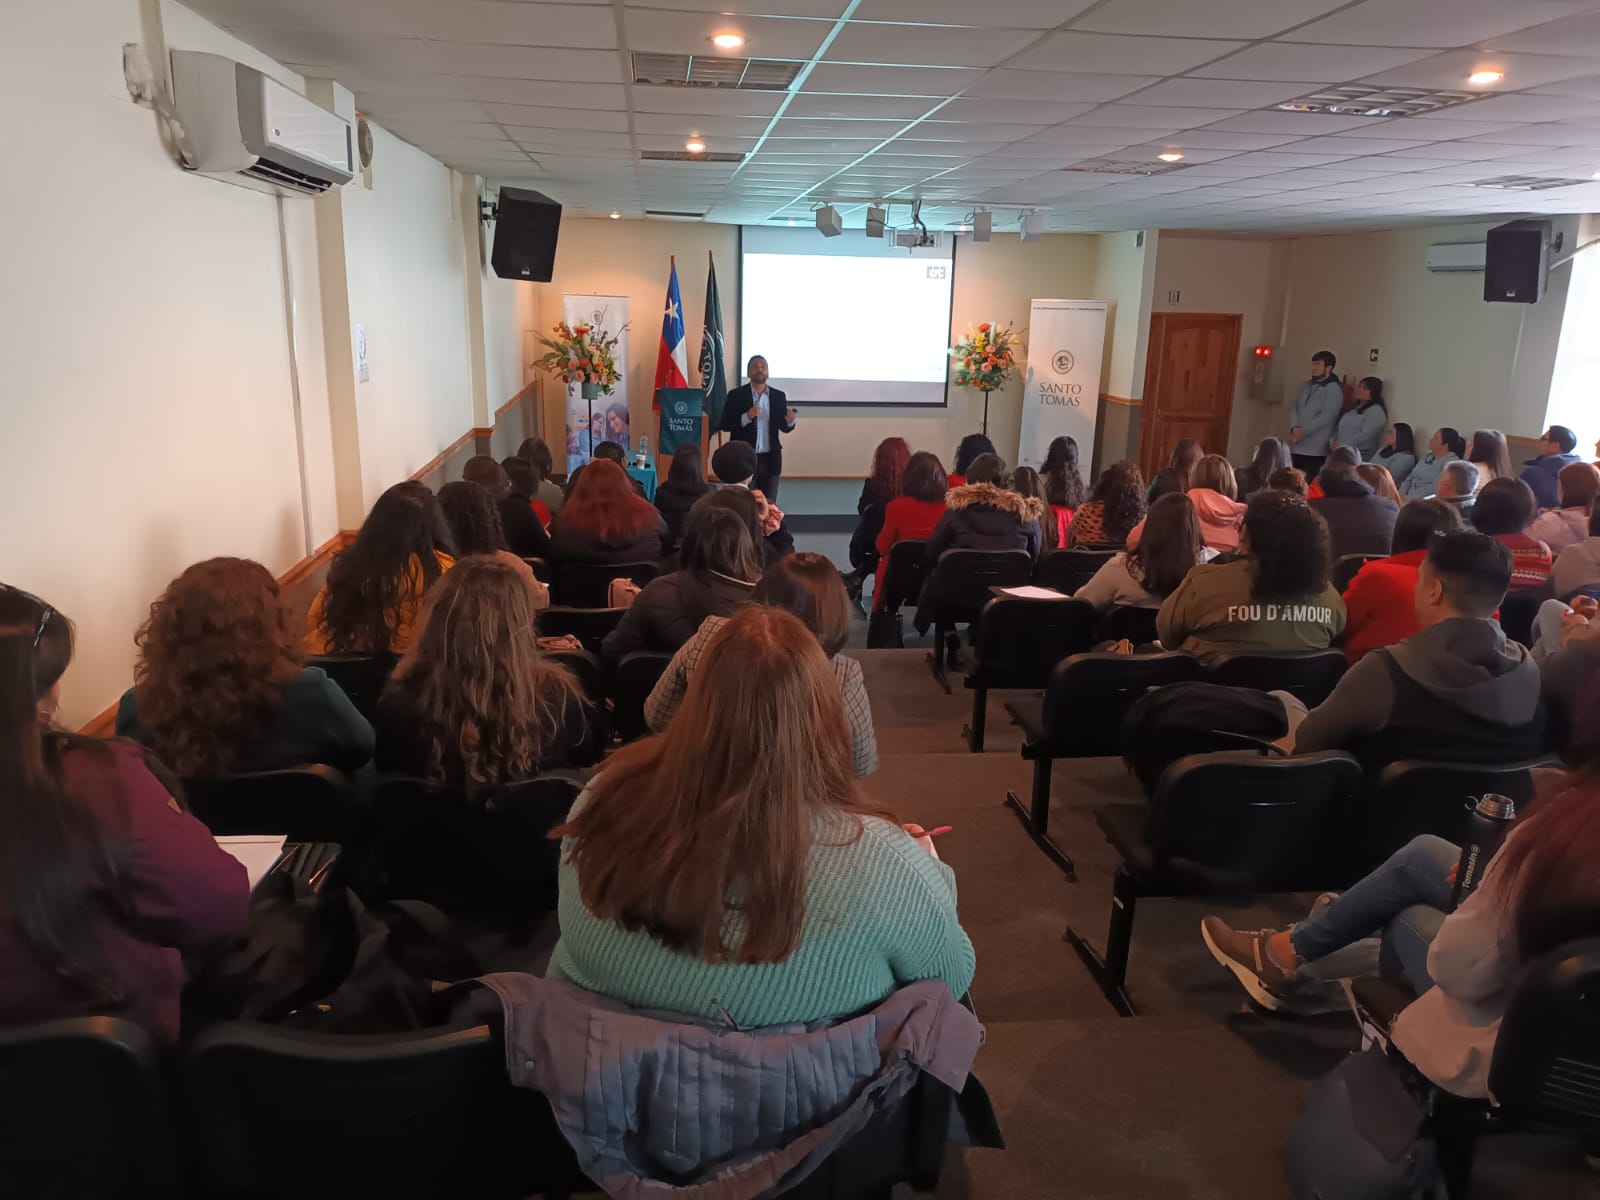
{"points": [[1531, 563], [904, 520], [1380, 604]]}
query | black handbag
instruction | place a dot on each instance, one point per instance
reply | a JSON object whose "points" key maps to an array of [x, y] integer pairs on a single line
{"points": [[884, 631]]}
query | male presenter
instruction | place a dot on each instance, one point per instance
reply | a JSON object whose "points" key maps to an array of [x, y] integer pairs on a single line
{"points": [[751, 416]]}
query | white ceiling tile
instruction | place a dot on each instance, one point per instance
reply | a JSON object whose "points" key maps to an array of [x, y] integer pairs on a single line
{"points": [[724, 102], [1215, 93], [1449, 71], [1585, 85], [1294, 122], [1537, 135], [590, 27], [1070, 87], [1471, 151], [1000, 14], [1140, 116], [1277, 160], [590, 138], [926, 45], [1522, 108], [1221, 139], [401, 105], [1577, 36], [824, 127], [961, 132], [1073, 134], [1191, 155], [890, 81], [411, 128], [572, 118], [825, 104], [549, 94], [1418, 127], [686, 123], [653, 31], [525, 62], [1111, 53], [1041, 111], [1443, 23], [1348, 144], [1248, 19], [1292, 62], [798, 145], [791, 8]]}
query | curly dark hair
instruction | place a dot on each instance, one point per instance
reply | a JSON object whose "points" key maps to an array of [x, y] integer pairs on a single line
{"points": [[1289, 550], [389, 565], [215, 656], [473, 517], [969, 448], [1121, 490]]}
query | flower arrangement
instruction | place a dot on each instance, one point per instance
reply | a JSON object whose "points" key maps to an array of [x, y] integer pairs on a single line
{"points": [[581, 354], [986, 358]]}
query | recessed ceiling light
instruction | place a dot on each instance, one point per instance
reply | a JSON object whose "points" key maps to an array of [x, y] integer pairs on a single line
{"points": [[1170, 156], [791, 226], [728, 41], [615, 215], [694, 145], [1485, 78]]}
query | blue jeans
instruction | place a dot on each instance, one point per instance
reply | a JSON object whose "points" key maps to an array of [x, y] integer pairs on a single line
{"points": [[1405, 900]]}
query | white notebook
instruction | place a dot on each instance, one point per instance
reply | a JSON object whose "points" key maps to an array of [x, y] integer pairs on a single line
{"points": [[1029, 592], [259, 852]]}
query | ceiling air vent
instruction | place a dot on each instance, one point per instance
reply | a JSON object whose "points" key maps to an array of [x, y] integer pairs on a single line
{"points": [[1525, 183], [1111, 166], [712, 156], [709, 71], [1358, 101], [667, 214]]}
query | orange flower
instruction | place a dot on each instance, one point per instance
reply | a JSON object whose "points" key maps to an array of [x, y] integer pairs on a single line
{"points": [[984, 328]]}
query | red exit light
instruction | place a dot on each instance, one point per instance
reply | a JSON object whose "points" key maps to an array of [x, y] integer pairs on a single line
{"points": [[1263, 351]]}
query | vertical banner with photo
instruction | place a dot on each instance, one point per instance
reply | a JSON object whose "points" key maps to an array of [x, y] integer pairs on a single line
{"points": [[1062, 392], [604, 418]]}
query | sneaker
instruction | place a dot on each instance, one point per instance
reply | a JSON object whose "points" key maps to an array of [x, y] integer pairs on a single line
{"points": [[1244, 952]]}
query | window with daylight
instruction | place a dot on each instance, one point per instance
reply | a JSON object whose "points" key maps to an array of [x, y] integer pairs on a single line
{"points": [[1574, 401]]}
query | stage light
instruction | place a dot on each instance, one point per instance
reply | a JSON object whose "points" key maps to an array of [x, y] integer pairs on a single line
{"points": [[615, 215], [1485, 77], [829, 223], [982, 225], [1170, 156], [877, 220], [1032, 226], [728, 41], [694, 145]]}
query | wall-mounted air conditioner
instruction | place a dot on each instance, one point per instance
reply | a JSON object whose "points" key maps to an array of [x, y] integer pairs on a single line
{"points": [[247, 128], [1456, 256]]}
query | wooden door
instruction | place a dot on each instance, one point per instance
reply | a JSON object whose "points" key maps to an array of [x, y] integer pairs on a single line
{"points": [[1189, 377]]}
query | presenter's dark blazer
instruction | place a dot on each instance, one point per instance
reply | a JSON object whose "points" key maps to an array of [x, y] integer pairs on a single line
{"points": [[739, 402]]}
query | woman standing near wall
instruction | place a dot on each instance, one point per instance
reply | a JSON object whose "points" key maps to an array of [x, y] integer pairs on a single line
{"points": [[1362, 424]]}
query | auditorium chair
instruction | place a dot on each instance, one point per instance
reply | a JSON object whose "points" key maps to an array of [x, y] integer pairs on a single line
{"points": [[631, 682], [958, 587], [361, 677], [1226, 824], [903, 577], [1545, 1071], [588, 625], [1519, 610], [590, 673], [1080, 716], [1413, 797], [313, 803], [1136, 624], [84, 1113], [541, 568], [1309, 675], [1346, 567], [1019, 643], [588, 585], [1068, 570]]}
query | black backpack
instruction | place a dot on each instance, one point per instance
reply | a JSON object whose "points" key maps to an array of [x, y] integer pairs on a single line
{"points": [[1169, 722]]}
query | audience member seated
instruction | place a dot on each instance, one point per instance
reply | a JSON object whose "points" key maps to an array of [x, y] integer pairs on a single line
{"points": [[219, 688], [807, 585], [474, 521], [1458, 487], [110, 895], [1380, 481], [682, 489], [1271, 455], [1363, 422], [969, 448], [606, 521], [1504, 510], [1399, 453], [984, 514], [1116, 506], [720, 565], [523, 516], [376, 584], [1211, 490], [1456, 691], [1175, 476], [883, 485], [1359, 520], [1380, 603], [1274, 596], [1064, 489], [1344, 456], [538, 453], [1147, 573], [1025, 482], [734, 465], [1543, 472], [1488, 452], [1289, 479], [1569, 668], [1577, 568], [1576, 488], [914, 514], [748, 801], [1537, 893], [473, 703], [1422, 481]]}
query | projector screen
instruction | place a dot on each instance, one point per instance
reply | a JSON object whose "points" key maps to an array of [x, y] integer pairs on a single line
{"points": [[848, 319]]}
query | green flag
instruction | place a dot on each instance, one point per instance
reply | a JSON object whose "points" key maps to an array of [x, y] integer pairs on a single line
{"points": [[713, 371]]}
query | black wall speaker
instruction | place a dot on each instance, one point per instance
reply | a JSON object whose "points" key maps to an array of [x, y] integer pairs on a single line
{"points": [[525, 235], [1517, 262]]}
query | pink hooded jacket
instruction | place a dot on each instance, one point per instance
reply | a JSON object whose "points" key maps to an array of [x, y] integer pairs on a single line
{"points": [[1219, 520]]}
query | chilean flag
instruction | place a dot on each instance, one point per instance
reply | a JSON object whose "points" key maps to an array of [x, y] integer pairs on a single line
{"points": [[672, 360]]}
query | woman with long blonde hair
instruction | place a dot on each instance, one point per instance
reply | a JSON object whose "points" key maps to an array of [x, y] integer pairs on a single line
{"points": [[473, 703], [728, 868]]}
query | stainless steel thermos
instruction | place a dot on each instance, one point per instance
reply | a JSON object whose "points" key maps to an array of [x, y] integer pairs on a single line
{"points": [[1486, 828]]}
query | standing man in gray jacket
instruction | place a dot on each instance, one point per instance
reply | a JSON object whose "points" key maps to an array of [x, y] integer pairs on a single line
{"points": [[1316, 414]]}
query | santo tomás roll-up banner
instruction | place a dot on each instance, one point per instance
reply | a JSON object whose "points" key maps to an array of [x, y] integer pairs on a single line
{"points": [[1062, 392], [681, 417]]}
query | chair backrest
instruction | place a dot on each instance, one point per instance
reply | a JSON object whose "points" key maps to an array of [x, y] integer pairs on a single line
{"points": [[1069, 570], [542, 570], [631, 681], [904, 576], [1345, 568], [1309, 675], [407, 1116], [314, 803], [1546, 1067], [1021, 640], [590, 673], [1519, 610], [1237, 821], [84, 1112], [361, 677], [962, 579], [1412, 797], [483, 853], [588, 625], [1138, 625], [588, 585], [1089, 694], [587, 668]]}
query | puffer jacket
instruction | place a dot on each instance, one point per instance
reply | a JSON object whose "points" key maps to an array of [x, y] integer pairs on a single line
{"points": [[656, 1105], [983, 516], [674, 503], [669, 610], [1559, 528], [1359, 520]]}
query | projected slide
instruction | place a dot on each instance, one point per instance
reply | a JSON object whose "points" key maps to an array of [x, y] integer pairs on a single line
{"points": [[847, 320]]}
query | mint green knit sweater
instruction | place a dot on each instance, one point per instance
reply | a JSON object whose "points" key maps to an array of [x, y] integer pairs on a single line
{"points": [[880, 912]]}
